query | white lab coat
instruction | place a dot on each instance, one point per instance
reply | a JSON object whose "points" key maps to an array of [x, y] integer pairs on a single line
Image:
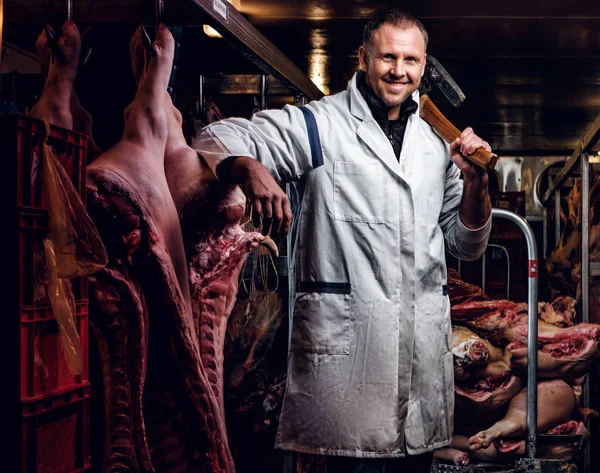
{"points": [[370, 369]]}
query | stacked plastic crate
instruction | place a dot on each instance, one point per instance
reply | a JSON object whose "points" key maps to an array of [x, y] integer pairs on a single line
{"points": [[49, 405]]}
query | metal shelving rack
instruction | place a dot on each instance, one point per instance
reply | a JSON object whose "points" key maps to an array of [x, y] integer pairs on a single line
{"points": [[581, 154], [241, 34]]}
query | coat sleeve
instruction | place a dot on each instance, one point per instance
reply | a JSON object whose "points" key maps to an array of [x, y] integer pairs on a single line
{"points": [[277, 138], [462, 242]]}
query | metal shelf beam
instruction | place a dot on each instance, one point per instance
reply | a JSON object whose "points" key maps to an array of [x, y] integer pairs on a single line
{"points": [[240, 33]]}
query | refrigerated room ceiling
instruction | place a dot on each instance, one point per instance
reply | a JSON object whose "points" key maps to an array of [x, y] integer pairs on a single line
{"points": [[530, 69]]}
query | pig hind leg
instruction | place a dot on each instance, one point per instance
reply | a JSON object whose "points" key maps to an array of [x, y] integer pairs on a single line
{"points": [[54, 105]]}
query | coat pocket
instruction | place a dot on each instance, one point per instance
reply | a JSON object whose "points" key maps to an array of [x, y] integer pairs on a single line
{"points": [[321, 323], [358, 192]]}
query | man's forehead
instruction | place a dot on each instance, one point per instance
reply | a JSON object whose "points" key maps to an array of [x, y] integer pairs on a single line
{"points": [[389, 34]]}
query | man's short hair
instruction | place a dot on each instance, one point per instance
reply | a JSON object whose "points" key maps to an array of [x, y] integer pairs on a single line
{"points": [[395, 18]]}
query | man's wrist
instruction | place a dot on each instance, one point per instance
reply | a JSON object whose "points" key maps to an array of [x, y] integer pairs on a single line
{"points": [[476, 178], [234, 169]]}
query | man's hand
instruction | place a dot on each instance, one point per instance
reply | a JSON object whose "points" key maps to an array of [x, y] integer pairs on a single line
{"points": [[475, 207], [467, 144], [269, 201]]}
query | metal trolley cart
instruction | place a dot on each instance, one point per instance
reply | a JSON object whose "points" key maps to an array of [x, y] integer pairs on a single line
{"points": [[530, 463]]}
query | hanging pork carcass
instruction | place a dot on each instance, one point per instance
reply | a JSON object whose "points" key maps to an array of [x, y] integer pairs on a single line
{"points": [[160, 309]]}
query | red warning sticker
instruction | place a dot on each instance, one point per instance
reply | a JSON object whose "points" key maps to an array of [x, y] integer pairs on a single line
{"points": [[533, 268]]}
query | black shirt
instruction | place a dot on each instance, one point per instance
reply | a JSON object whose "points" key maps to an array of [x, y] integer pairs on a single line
{"points": [[393, 129]]}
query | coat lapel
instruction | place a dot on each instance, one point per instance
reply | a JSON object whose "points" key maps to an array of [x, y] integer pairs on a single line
{"points": [[373, 136], [410, 162]]}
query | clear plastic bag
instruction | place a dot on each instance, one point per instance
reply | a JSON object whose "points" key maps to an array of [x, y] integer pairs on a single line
{"points": [[77, 244], [74, 248], [63, 307]]}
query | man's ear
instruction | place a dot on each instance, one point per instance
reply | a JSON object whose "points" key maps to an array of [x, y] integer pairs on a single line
{"points": [[424, 65], [363, 58]]}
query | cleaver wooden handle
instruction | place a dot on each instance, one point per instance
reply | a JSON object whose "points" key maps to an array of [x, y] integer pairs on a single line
{"points": [[431, 114]]}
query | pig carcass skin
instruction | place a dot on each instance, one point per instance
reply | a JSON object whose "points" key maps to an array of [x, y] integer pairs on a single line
{"points": [[161, 412], [569, 359], [507, 451], [461, 291], [561, 312], [566, 352], [451, 456], [517, 448], [492, 387], [483, 400], [216, 247], [471, 351], [483, 455], [504, 321], [468, 351], [556, 405]]}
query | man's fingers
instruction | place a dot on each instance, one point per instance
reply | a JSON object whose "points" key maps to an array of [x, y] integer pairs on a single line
{"points": [[267, 205], [470, 142], [466, 133], [460, 161], [454, 145], [277, 214]]}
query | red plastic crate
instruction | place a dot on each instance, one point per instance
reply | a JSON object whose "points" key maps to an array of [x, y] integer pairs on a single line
{"points": [[33, 284], [22, 137], [56, 440], [43, 366]]}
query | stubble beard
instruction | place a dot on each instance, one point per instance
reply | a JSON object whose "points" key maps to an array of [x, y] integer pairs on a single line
{"points": [[392, 101]]}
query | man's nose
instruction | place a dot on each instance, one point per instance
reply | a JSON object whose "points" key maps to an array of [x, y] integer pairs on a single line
{"points": [[398, 69]]}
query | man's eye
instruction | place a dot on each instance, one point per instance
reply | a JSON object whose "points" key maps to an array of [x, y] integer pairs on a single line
{"points": [[388, 57]]}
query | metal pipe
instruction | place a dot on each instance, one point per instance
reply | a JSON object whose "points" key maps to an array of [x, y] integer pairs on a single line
{"points": [[557, 217], [160, 11], [263, 92], [532, 325], [545, 231], [69, 9], [585, 236], [585, 271], [200, 110]]}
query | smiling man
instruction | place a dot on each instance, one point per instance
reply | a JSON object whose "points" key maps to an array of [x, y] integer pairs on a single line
{"points": [[393, 56], [370, 377]]}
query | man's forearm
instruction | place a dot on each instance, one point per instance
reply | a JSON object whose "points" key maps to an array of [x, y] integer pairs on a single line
{"points": [[475, 208], [235, 169]]}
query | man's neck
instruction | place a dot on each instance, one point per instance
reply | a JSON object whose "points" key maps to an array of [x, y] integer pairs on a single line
{"points": [[394, 113]]}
